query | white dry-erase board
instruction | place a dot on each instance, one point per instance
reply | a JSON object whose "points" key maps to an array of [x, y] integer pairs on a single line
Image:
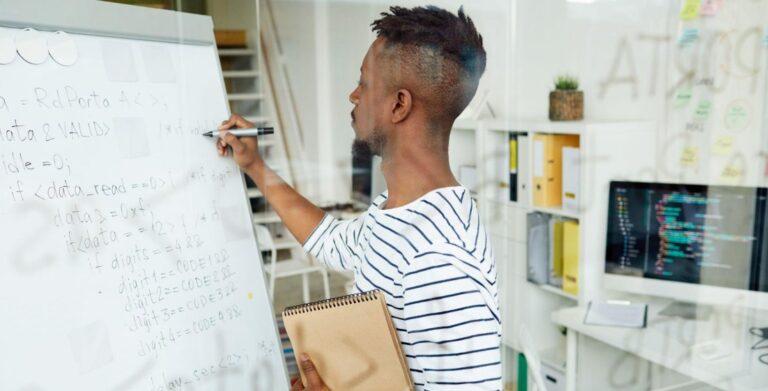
{"points": [[127, 256]]}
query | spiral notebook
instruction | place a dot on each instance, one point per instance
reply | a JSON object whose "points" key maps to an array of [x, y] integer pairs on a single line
{"points": [[351, 341]]}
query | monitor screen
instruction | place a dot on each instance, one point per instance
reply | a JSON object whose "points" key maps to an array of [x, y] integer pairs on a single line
{"points": [[709, 235]]}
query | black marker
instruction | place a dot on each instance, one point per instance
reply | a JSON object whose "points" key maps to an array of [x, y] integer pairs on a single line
{"points": [[242, 132]]}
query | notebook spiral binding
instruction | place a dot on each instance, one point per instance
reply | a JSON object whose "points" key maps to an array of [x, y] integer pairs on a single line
{"points": [[331, 303]]}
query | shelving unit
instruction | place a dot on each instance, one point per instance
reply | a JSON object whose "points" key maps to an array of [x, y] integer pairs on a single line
{"points": [[249, 94], [558, 291], [608, 150]]}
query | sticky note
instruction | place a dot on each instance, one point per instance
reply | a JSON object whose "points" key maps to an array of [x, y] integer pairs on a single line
{"points": [[737, 116], [233, 225], [683, 96], [701, 113], [731, 173], [132, 139], [119, 63], [688, 37], [689, 156], [710, 7], [158, 63], [250, 295], [765, 37], [90, 346], [690, 10], [723, 146]]}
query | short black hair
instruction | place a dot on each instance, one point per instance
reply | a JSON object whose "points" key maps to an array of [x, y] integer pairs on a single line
{"points": [[443, 48]]}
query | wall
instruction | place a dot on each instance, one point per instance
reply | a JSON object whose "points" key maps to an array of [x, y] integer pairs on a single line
{"points": [[331, 38], [625, 52]]}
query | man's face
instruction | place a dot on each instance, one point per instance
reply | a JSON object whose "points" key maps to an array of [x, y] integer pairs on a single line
{"points": [[370, 114]]}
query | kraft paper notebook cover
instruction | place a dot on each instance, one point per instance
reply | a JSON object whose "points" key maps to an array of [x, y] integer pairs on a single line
{"points": [[351, 341]]}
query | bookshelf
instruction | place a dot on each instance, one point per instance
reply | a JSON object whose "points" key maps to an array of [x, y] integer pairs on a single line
{"points": [[609, 150]]}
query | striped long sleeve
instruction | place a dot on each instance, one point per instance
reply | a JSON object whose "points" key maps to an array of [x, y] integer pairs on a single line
{"points": [[335, 242]]}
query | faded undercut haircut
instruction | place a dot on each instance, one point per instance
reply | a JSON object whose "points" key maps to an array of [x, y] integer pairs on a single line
{"points": [[438, 52]]}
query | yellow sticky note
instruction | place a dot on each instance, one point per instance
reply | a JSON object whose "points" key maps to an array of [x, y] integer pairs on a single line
{"points": [[732, 174], [250, 295], [689, 156], [690, 10], [723, 146]]}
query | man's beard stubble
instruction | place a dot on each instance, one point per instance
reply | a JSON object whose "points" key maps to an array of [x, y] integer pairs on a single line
{"points": [[361, 149], [371, 147]]}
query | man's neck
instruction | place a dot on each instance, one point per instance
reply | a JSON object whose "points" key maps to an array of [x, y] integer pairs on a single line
{"points": [[411, 171]]}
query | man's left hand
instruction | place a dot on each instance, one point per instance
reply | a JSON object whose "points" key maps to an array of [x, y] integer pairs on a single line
{"points": [[315, 383]]}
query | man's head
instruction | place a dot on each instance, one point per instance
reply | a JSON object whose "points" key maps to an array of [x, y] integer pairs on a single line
{"points": [[420, 73]]}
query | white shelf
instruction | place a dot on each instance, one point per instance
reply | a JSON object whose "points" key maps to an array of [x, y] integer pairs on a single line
{"points": [[245, 96], [538, 126], [543, 125], [554, 357], [257, 119], [265, 218], [237, 52], [254, 193], [286, 243], [556, 211], [662, 345], [557, 291], [250, 73]]}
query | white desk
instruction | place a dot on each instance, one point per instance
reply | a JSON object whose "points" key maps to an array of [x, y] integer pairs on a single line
{"points": [[679, 344]]}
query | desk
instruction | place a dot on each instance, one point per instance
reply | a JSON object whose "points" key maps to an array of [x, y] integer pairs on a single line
{"points": [[716, 350]]}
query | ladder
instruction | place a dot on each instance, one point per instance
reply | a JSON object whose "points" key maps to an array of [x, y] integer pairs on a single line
{"points": [[249, 94]]}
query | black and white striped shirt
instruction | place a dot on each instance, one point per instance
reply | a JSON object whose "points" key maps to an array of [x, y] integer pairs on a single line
{"points": [[433, 261]]}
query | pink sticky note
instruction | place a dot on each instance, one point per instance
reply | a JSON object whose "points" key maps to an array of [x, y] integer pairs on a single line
{"points": [[710, 7]]}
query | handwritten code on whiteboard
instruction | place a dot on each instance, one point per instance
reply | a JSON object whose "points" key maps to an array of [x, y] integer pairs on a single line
{"points": [[129, 261]]}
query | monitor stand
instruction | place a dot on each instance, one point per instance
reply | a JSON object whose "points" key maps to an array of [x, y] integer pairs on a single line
{"points": [[687, 310]]}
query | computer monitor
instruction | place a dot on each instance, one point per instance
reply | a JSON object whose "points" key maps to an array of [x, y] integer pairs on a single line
{"points": [[693, 243]]}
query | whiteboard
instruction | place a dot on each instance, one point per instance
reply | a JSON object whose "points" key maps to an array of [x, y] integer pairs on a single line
{"points": [[128, 258]]}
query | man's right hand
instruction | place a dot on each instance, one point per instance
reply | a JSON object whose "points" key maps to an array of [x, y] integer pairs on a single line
{"points": [[245, 150]]}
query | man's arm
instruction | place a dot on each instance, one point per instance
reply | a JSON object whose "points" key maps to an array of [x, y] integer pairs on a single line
{"points": [[333, 242], [299, 215]]}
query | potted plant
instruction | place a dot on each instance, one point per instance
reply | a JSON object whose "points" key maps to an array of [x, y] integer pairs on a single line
{"points": [[566, 102]]}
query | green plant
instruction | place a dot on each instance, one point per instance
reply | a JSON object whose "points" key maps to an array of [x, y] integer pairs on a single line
{"points": [[566, 83]]}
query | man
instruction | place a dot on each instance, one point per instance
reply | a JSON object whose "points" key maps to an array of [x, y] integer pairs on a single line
{"points": [[421, 242]]}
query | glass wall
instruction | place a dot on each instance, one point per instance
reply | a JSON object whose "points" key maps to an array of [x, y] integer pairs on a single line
{"points": [[614, 153]]}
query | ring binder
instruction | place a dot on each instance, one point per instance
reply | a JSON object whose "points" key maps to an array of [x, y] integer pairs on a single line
{"points": [[332, 303]]}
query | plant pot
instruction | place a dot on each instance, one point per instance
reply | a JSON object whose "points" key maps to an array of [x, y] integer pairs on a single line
{"points": [[566, 105]]}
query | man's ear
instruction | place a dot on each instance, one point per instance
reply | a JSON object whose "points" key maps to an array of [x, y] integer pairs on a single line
{"points": [[402, 106]]}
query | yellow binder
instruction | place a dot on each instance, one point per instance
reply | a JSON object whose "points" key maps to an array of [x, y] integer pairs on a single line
{"points": [[548, 167], [571, 257], [556, 252]]}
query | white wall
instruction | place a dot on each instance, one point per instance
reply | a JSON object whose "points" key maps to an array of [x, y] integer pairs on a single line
{"points": [[625, 53], [325, 42]]}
